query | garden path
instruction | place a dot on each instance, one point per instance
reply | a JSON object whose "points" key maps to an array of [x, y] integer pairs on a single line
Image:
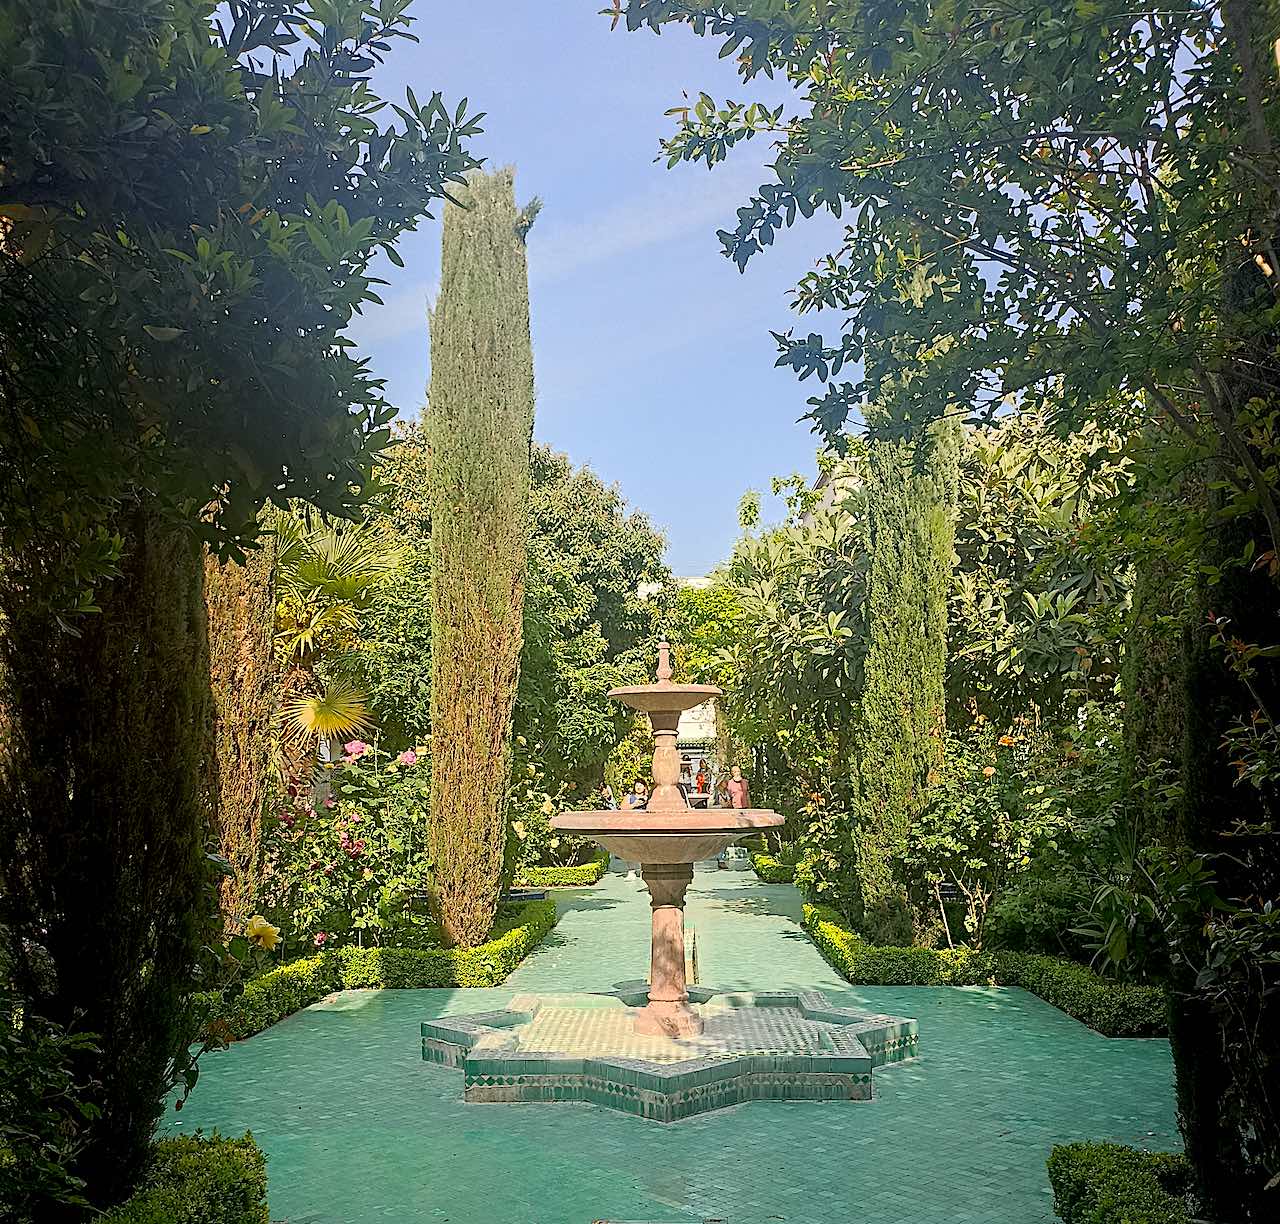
{"points": [[358, 1129]]}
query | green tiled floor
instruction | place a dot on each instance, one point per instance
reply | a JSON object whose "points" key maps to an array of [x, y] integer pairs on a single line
{"points": [[358, 1128]]}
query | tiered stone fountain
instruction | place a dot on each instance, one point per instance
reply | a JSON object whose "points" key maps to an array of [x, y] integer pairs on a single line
{"points": [[666, 839], [646, 1047]]}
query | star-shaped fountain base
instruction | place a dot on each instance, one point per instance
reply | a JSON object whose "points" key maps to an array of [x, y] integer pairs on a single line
{"points": [[767, 1045]]}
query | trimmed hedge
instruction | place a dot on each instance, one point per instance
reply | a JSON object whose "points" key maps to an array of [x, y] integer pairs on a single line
{"points": [[1110, 1008], [565, 877], [1107, 1183], [281, 992], [772, 870], [195, 1179]]}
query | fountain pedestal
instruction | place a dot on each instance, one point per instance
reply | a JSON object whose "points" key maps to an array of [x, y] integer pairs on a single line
{"points": [[668, 1009]]}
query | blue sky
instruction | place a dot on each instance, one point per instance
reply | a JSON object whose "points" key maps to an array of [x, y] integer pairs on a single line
{"points": [[652, 354]]}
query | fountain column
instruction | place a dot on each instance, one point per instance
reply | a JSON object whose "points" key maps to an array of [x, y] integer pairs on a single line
{"points": [[668, 1012]]}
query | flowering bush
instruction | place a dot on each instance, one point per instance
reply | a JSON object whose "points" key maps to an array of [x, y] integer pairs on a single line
{"points": [[350, 865], [532, 842]]}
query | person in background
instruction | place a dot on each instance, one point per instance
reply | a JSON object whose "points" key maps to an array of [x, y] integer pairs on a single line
{"points": [[637, 799], [700, 782], [739, 795], [607, 801]]}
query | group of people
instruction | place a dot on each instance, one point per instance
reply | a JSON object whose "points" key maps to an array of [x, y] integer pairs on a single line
{"points": [[637, 798]]}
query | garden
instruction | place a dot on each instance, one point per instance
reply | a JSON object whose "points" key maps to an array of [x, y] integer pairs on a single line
{"points": [[297, 683]]}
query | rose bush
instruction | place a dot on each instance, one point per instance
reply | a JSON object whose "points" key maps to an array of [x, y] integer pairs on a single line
{"points": [[349, 863]]}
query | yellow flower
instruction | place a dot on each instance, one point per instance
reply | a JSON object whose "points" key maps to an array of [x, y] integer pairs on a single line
{"points": [[988, 772], [548, 806], [259, 931], [518, 829], [530, 770]]}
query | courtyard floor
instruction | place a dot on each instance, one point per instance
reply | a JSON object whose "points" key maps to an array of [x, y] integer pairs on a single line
{"points": [[358, 1128]]}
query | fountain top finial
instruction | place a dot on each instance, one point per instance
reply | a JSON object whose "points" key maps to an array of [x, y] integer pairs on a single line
{"points": [[664, 662]]}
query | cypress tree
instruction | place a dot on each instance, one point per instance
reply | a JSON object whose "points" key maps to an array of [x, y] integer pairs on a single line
{"points": [[106, 896], [245, 686], [898, 739], [479, 424]]}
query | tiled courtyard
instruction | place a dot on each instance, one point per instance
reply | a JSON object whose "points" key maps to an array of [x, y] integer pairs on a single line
{"points": [[358, 1128]]}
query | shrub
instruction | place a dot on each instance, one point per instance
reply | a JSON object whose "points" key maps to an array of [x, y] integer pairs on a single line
{"points": [[281, 992], [44, 1112], [197, 1180], [1110, 1008], [1037, 915], [566, 877], [1107, 1183], [773, 870]]}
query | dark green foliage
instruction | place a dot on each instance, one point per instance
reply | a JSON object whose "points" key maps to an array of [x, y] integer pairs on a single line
{"points": [[898, 739], [479, 426], [198, 1179], [283, 991], [241, 605], [1112, 1009], [43, 1114], [1107, 1183], [576, 876], [105, 815], [179, 264], [772, 870], [1036, 916]]}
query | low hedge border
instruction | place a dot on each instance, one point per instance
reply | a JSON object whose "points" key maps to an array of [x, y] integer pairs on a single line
{"points": [[1110, 1008], [1103, 1183], [281, 992], [198, 1179], [579, 876], [772, 870]]}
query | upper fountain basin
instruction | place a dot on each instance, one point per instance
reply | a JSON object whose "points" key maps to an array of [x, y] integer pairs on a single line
{"points": [[666, 837], [664, 696]]}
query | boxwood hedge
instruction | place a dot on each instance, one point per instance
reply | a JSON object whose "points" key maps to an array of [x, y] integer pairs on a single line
{"points": [[281, 992], [1112, 1009], [197, 1179], [578, 876], [1107, 1183], [772, 870]]}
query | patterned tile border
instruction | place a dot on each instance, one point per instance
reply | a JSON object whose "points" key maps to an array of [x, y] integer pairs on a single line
{"points": [[795, 1047]]}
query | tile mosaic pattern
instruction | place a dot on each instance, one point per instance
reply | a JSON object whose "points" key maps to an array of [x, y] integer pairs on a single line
{"points": [[359, 1130], [756, 1046]]}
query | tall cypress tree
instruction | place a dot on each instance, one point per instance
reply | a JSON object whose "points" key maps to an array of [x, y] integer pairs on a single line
{"points": [[480, 428], [245, 687], [898, 740]]}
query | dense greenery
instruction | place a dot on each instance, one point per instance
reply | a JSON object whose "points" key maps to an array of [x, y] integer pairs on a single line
{"points": [[576, 876], [479, 427], [1098, 1183], [1069, 212], [178, 269]]}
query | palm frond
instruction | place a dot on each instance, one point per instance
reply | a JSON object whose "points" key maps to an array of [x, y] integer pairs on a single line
{"points": [[339, 711]]}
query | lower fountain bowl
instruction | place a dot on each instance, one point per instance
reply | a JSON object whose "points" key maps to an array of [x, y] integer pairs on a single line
{"points": [[667, 837]]}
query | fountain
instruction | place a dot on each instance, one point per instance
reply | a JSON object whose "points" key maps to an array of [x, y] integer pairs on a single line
{"points": [[666, 840], [663, 1049]]}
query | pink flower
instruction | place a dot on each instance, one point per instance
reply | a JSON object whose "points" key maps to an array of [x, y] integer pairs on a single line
{"points": [[288, 819], [408, 757], [330, 801], [356, 748], [321, 937], [328, 869]]}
